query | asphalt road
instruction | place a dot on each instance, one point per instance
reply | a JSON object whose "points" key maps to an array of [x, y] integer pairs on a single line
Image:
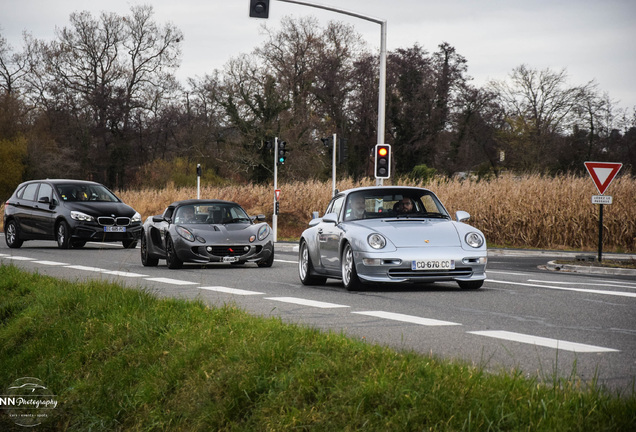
{"points": [[534, 320]]}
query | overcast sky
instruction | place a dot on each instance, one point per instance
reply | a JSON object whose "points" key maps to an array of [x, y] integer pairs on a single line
{"points": [[592, 39]]}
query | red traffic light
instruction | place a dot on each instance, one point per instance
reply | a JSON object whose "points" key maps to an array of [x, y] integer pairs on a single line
{"points": [[382, 161]]}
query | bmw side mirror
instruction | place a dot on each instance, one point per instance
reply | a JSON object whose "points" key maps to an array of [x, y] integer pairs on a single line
{"points": [[44, 200]]}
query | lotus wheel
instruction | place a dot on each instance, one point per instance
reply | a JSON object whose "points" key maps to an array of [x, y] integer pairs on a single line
{"points": [[11, 235], [172, 259], [146, 260], [305, 268], [267, 262], [349, 273]]}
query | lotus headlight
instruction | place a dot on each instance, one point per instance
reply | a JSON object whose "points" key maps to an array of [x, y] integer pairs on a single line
{"points": [[185, 233], [474, 239], [81, 216], [136, 217], [263, 232], [376, 241]]}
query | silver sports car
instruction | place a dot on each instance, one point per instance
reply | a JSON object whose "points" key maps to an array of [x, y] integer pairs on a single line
{"points": [[203, 231], [391, 234]]}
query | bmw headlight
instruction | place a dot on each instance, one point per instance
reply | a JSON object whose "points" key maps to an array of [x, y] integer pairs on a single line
{"points": [[185, 233], [376, 241], [474, 239], [136, 217], [81, 216], [263, 232]]}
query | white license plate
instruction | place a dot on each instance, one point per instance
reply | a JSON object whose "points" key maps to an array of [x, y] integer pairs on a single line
{"points": [[114, 229], [230, 259], [433, 265]]}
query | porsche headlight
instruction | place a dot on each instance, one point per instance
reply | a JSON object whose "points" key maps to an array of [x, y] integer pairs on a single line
{"points": [[263, 232], [376, 241], [185, 233], [136, 217], [474, 239], [81, 216]]}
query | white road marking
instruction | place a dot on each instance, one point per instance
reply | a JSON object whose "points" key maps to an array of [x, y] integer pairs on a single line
{"points": [[305, 302], [18, 258], [588, 291], [286, 261], [172, 281], [407, 318], [506, 273], [122, 273], [51, 263], [541, 341], [231, 290], [85, 268], [614, 284]]}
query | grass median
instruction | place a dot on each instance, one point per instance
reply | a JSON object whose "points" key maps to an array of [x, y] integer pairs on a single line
{"points": [[122, 359]]}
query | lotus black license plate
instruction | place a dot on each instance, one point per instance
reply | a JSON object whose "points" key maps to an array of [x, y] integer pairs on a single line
{"points": [[230, 259], [114, 229], [433, 265]]}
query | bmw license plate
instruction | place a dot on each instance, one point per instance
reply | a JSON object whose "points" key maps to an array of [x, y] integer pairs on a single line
{"points": [[230, 259], [116, 229], [433, 265]]}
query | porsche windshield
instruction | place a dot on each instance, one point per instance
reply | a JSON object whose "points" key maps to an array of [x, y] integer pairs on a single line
{"points": [[210, 213], [393, 203]]}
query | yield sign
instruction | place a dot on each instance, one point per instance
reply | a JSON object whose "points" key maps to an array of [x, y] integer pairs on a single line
{"points": [[603, 173], [277, 193]]}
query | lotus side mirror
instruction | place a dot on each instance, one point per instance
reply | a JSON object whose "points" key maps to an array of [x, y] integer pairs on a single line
{"points": [[158, 219]]}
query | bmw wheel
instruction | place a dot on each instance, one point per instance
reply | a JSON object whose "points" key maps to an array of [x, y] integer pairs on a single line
{"points": [[63, 235], [172, 259], [11, 235], [350, 278], [305, 268]]}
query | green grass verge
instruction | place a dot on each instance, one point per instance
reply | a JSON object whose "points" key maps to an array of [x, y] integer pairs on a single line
{"points": [[122, 359]]}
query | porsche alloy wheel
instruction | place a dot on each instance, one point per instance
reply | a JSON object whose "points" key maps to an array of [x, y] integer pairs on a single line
{"points": [[171, 256], [305, 268], [350, 278]]}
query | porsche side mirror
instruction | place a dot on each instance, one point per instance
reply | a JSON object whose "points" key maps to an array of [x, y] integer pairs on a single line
{"points": [[462, 216]]}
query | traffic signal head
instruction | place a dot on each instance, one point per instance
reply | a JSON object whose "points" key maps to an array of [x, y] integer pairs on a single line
{"points": [[382, 161], [281, 153], [259, 8]]}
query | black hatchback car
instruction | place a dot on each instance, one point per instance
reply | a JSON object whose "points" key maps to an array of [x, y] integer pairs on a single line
{"points": [[71, 212]]}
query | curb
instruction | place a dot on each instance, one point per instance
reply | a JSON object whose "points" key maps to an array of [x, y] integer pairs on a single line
{"points": [[590, 269]]}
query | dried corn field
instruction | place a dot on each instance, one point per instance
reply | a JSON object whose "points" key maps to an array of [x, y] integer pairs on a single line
{"points": [[513, 211]]}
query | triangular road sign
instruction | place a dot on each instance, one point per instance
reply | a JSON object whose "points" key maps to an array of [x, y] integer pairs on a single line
{"points": [[603, 173]]}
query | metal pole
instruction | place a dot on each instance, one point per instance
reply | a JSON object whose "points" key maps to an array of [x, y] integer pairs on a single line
{"points": [[274, 215], [600, 232], [333, 168], [198, 181], [382, 87]]}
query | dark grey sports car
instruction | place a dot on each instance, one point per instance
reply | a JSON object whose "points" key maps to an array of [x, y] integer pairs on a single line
{"points": [[204, 231]]}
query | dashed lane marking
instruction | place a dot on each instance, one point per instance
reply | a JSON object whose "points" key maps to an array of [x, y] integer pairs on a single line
{"points": [[304, 302], [587, 291], [407, 318], [231, 290], [542, 341], [171, 281]]}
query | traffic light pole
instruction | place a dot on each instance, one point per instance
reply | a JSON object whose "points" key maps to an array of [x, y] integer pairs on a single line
{"points": [[333, 168], [382, 89], [275, 216]]}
